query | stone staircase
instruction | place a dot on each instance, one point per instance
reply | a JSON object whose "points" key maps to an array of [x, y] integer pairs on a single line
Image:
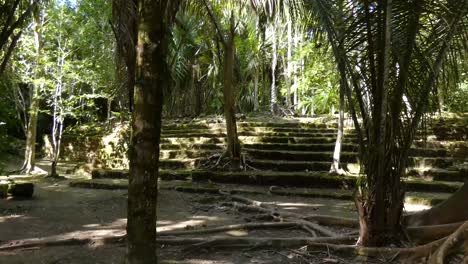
{"points": [[299, 154]]}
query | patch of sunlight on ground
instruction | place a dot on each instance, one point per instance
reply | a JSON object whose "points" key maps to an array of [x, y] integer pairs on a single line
{"points": [[298, 204], [164, 222], [204, 217], [415, 207], [122, 222], [180, 225], [197, 261], [4, 219], [237, 233]]}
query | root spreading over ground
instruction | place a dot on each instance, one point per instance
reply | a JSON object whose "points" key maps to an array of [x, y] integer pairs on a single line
{"points": [[432, 244]]}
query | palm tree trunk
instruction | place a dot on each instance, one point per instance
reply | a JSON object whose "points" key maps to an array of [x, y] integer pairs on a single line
{"points": [[380, 206]]}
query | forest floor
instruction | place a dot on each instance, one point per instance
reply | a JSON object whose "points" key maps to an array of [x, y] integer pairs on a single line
{"points": [[59, 210]]}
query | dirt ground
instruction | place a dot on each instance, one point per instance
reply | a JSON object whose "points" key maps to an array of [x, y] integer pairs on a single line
{"points": [[59, 210]]}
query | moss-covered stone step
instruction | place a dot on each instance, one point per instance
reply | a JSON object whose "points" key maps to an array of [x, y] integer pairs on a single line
{"points": [[417, 198], [124, 174], [288, 165], [433, 162], [215, 125], [187, 154], [109, 174], [252, 130], [294, 140], [311, 180], [179, 163], [195, 135], [207, 146], [299, 155], [417, 185], [254, 139], [347, 147], [429, 152], [288, 124], [102, 184], [447, 175], [425, 198], [457, 149], [198, 140], [262, 154], [209, 134]]}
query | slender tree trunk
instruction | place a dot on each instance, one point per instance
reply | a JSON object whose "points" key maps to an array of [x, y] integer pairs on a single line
{"points": [[295, 70], [57, 112], [229, 94], [289, 65], [335, 167], [256, 101], [274, 62], [152, 78], [31, 134]]}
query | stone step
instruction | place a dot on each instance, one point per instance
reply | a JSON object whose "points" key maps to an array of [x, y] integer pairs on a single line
{"points": [[297, 179], [294, 140], [347, 147], [438, 174], [412, 198], [221, 125], [254, 134], [254, 139], [299, 155], [433, 162], [207, 146], [179, 163], [187, 154], [255, 130]]}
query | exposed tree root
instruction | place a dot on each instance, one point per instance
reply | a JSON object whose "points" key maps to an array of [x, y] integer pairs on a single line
{"points": [[385, 252], [451, 237], [256, 242], [248, 226], [332, 220], [451, 243], [75, 238], [263, 208], [431, 233]]}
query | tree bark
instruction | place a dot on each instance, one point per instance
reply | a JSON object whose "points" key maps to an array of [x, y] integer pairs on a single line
{"points": [[380, 203], [233, 145], [335, 167], [125, 30], [31, 134], [274, 62], [152, 77], [256, 99]]}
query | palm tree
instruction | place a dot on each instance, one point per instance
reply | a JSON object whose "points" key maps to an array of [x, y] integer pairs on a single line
{"points": [[385, 51]]}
